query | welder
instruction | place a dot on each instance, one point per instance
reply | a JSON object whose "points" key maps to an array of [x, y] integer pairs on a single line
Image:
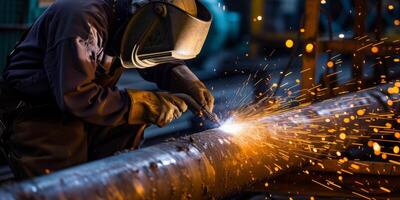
{"points": [[60, 105]]}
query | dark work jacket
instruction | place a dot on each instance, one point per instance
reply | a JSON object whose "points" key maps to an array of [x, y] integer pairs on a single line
{"points": [[64, 59]]}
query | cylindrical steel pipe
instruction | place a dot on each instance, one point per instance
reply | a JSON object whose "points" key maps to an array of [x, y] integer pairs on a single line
{"points": [[214, 163]]}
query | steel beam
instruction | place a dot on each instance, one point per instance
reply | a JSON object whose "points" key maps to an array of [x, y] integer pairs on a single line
{"points": [[359, 31], [311, 27], [213, 163]]}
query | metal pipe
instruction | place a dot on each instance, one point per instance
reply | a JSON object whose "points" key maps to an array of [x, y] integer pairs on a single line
{"points": [[214, 163]]}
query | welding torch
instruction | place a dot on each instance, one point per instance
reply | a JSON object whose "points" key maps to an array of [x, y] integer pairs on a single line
{"points": [[195, 106]]}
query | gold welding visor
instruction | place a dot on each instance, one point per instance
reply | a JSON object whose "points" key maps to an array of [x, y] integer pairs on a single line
{"points": [[160, 32]]}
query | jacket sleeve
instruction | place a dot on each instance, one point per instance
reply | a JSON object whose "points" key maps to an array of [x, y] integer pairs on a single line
{"points": [[70, 63], [71, 74], [161, 74]]}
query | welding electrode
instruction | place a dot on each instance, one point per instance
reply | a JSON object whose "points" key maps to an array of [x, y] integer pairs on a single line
{"points": [[193, 105], [211, 116]]}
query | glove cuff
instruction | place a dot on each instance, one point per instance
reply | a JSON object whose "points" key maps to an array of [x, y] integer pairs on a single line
{"points": [[137, 111], [184, 81]]}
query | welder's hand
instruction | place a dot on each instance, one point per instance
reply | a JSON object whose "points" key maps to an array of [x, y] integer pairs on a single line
{"points": [[184, 81], [199, 92], [154, 107]]}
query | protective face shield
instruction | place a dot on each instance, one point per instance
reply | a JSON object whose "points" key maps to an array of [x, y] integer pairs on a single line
{"points": [[162, 32]]}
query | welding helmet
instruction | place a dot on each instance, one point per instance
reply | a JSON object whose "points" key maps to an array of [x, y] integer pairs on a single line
{"points": [[164, 31]]}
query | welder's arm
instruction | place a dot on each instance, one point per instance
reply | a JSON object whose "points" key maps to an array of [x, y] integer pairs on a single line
{"points": [[71, 70], [160, 74]]}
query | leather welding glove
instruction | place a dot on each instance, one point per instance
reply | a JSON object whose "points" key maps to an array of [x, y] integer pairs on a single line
{"points": [[184, 81], [154, 107]]}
